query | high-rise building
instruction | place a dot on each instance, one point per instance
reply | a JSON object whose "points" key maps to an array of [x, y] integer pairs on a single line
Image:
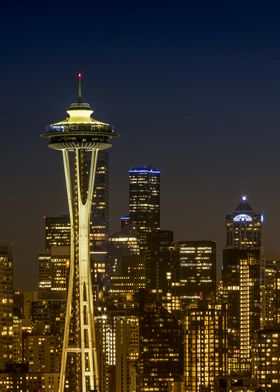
{"points": [[196, 261], [122, 243], [126, 265], [266, 359], [205, 345], [54, 269], [159, 271], [54, 261], [99, 221], [6, 305], [160, 364], [57, 231], [241, 283], [270, 293], [130, 278], [244, 227], [79, 133], [144, 200], [127, 352]]}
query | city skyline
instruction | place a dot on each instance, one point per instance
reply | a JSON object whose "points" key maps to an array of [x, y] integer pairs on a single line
{"points": [[206, 76]]}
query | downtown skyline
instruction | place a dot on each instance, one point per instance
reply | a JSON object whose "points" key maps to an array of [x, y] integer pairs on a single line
{"points": [[197, 101]]}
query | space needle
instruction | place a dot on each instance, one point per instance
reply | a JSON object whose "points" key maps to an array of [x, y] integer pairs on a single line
{"points": [[81, 134]]}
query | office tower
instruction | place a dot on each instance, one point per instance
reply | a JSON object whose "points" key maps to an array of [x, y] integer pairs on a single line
{"points": [[79, 133], [99, 220], [118, 332], [205, 345], [126, 265], [144, 200], [270, 293], [54, 270], [42, 353], [47, 316], [6, 305], [127, 352], [160, 364], [122, 243], [57, 231], [244, 227], [241, 277], [237, 383], [266, 359], [241, 283], [54, 261], [130, 278], [45, 271], [18, 378], [196, 261], [159, 270]]}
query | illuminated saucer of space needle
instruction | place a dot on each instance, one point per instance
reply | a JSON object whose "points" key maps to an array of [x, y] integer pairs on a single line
{"points": [[79, 130]]}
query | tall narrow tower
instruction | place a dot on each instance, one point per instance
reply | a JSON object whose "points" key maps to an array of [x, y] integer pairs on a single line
{"points": [[81, 134], [241, 283], [144, 201]]}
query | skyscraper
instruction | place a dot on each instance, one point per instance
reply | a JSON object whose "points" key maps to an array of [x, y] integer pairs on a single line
{"points": [[205, 345], [266, 358], [158, 265], [99, 221], [196, 264], [241, 283], [244, 227], [6, 305], [270, 293], [57, 231], [144, 200], [54, 261], [79, 133], [160, 364]]}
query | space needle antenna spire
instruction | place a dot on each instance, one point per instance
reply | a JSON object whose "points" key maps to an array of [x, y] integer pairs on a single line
{"points": [[80, 76], [80, 136]]}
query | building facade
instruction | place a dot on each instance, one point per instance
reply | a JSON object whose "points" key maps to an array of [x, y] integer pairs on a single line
{"points": [[241, 276], [205, 346], [6, 305], [144, 201]]}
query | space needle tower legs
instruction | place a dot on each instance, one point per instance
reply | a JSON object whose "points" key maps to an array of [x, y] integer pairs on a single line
{"points": [[81, 134]]}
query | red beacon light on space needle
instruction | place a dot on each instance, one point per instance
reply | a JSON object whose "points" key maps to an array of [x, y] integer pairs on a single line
{"points": [[80, 75]]}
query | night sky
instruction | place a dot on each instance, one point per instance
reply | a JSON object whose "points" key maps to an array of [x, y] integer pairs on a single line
{"points": [[193, 88]]}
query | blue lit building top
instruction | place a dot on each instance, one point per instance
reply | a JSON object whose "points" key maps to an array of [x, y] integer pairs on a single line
{"points": [[142, 170]]}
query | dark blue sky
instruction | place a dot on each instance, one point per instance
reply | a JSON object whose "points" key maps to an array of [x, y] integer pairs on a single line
{"points": [[193, 87]]}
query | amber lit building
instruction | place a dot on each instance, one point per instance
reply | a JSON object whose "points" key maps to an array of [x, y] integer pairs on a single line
{"points": [[99, 221], [54, 269], [205, 346], [266, 359], [160, 271], [196, 263], [160, 365], [57, 231], [127, 352], [122, 243], [241, 283], [6, 305], [270, 293], [130, 278]]}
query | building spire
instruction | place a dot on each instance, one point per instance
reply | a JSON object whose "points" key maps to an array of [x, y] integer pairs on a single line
{"points": [[80, 76]]}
